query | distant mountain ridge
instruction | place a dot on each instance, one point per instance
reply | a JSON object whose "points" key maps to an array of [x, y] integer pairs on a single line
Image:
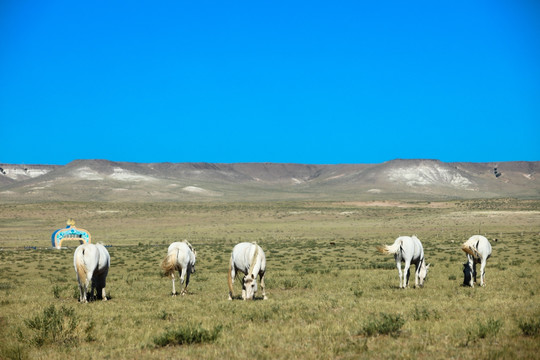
{"points": [[422, 179]]}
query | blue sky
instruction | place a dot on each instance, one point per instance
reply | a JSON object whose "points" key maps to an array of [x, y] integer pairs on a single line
{"points": [[320, 82]]}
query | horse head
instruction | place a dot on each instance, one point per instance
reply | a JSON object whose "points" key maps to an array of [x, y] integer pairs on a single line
{"points": [[192, 262], [422, 274], [467, 275], [250, 284]]}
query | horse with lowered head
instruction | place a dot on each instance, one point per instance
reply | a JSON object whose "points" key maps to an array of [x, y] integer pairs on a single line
{"points": [[478, 250], [410, 250], [249, 259], [91, 264], [180, 257]]}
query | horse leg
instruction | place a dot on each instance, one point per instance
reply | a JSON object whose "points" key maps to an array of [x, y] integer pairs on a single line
{"points": [[97, 288], [173, 287], [101, 288], [262, 286], [482, 273], [406, 274], [398, 265], [232, 274], [85, 286], [474, 270], [82, 292], [244, 293], [472, 279], [90, 293], [185, 276]]}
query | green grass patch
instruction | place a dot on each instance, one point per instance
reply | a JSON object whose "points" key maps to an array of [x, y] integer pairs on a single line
{"points": [[188, 334], [57, 326], [384, 324], [530, 327]]}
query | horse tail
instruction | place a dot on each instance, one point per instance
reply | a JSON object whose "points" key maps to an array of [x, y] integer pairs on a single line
{"points": [[390, 249], [81, 268], [229, 278], [168, 265], [471, 250]]}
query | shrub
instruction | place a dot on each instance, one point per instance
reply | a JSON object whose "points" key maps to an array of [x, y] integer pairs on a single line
{"points": [[530, 327], [258, 315], [490, 328], [483, 330], [56, 291], [12, 350], [165, 315], [60, 326], [289, 284], [424, 314], [385, 324], [188, 334]]}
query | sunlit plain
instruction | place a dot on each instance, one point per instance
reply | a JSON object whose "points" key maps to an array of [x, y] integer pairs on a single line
{"points": [[327, 286]]}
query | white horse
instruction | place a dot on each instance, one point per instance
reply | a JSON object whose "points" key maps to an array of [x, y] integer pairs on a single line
{"points": [[410, 250], [180, 257], [478, 250], [247, 258], [91, 264]]}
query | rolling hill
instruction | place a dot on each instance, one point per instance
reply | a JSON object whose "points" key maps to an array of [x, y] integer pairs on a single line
{"points": [[103, 180]]}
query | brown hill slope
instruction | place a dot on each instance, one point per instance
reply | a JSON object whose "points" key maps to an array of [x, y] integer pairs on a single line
{"points": [[103, 180]]}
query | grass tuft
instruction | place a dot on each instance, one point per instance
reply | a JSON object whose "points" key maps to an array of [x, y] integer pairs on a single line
{"points": [[483, 330], [56, 326], [424, 314], [188, 334], [12, 350], [385, 324], [530, 327]]}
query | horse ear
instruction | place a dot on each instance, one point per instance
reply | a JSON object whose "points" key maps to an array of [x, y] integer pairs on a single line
{"points": [[427, 266]]}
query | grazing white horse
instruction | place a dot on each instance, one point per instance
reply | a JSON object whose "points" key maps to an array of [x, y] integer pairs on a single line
{"points": [[247, 258], [410, 250], [180, 257], [478, 250], [91, 262]]}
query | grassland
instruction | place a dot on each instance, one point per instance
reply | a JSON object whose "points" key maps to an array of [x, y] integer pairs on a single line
{"points": [[331, 295]]}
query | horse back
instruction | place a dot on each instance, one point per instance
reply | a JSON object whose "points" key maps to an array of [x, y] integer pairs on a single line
{"points": [[478, 247], [185, 253], [104, 259], [418, 249], [243, 255]]}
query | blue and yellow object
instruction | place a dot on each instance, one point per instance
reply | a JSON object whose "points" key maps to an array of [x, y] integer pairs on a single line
{"points": [[70, 232]]}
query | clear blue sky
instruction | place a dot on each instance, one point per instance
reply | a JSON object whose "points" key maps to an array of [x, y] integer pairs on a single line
{"points": [[319, 82]]}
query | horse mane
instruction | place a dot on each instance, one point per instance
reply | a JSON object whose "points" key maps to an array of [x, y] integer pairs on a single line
{"points": [[254, 259], [189, 245]]}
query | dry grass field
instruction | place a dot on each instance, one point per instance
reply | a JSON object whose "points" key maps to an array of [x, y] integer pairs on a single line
{"points": [[331, 295]]}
